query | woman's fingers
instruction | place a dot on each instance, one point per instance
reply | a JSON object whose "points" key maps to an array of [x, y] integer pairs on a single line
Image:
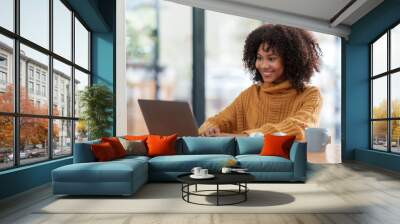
{"points": [[212, 131], [215, 131]]}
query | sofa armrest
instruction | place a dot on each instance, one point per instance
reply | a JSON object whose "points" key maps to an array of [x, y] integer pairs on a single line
{"points": [[83, 152], [298, 155]]}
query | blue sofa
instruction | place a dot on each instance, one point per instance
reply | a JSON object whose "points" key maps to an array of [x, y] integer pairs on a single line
{"points": [[125, 176]]}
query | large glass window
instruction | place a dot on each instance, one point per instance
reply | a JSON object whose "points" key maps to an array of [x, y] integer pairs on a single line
{"points": [[43, 112], [62, 137], [62, 29], [379, 57], [34, 21], [40, 62], [6, 74], [159, 56], [395, 47], [7, 14], [81, 45], [385, 97], [6, 142], [81, 81], [33, 140], [62, 91]]}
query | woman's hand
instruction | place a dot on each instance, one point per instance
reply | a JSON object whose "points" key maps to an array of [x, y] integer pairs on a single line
{"points": [[232, 135], [211, 131]]}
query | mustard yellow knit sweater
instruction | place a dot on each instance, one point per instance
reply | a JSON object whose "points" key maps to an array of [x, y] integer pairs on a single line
{"points": [[270, 108]]}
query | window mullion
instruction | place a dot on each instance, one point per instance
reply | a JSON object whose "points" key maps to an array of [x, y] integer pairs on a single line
{"points": [[389, 93], [371, 89], [50, 81], [73, 82], [16, 85]]}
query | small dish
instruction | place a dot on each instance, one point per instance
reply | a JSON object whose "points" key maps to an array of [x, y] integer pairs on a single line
{"points": [[208, 176]]}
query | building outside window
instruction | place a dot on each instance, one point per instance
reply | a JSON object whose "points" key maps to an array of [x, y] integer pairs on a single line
{"points": [[3, 72], [3, 61], [43, 90], [37, 75], [38, 89], [30, 72], [30, 87], [3, 78]]}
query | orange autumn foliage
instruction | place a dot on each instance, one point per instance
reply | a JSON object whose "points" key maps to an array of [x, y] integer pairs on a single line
{"points": [[33, 130]]}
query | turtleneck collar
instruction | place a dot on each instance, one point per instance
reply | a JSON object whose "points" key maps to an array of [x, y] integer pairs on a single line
{"points": [[277, 88]]}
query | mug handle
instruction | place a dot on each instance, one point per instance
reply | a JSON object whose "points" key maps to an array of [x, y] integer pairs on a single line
{"points": [[325, 138], [193, 169]]}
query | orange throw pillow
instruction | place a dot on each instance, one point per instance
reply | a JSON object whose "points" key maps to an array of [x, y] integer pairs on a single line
{"points": [[161, 145], [277, 145], [103, 152], [116, 145], [136, 137]]}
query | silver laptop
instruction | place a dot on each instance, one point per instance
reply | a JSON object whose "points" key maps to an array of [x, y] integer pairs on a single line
{"points": [[168, 117]]}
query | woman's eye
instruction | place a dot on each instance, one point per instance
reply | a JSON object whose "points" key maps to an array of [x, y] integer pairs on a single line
{"points": [[272, 59]]}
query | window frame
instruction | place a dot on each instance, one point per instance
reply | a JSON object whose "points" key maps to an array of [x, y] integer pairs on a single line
{"points": [[16, 114], [388, 74]]}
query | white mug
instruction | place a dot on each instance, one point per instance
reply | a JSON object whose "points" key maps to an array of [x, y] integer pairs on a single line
{"points": [[226, 170], [196, 170], [203, 172], [317, 139]]}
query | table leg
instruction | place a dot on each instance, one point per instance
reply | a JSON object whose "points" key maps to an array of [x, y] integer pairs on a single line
{"points": [[245, 193], [188, 189], [217, 194], [196, 188]]}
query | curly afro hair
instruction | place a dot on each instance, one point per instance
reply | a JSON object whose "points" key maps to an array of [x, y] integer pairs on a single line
{"points": [[299, 51]]}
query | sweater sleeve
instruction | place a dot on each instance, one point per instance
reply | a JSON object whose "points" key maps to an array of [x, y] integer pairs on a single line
{"points": [[306, 116], [226, 120]]}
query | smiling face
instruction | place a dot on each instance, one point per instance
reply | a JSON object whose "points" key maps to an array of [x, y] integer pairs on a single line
{"points": [[269, 64]]}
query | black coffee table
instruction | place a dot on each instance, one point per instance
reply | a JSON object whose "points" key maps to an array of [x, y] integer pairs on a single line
{"points": [[238, 179]]}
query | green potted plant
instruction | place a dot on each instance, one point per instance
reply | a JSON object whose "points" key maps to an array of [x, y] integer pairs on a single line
{"points": [[96, 103]]}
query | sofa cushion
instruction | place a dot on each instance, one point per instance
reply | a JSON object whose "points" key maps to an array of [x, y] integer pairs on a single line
{"points": [[159, 145], [249, 145], [185, 163], [103, 152], [208, 145], [134, 147], [277, 145], [257, 163], [116, 145], [111, 171]]}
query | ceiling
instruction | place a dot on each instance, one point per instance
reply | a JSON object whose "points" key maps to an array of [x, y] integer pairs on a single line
{"points": [[326, 16]]}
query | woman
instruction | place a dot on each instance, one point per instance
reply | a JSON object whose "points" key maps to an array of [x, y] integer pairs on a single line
{"points": [[282, 60]]}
